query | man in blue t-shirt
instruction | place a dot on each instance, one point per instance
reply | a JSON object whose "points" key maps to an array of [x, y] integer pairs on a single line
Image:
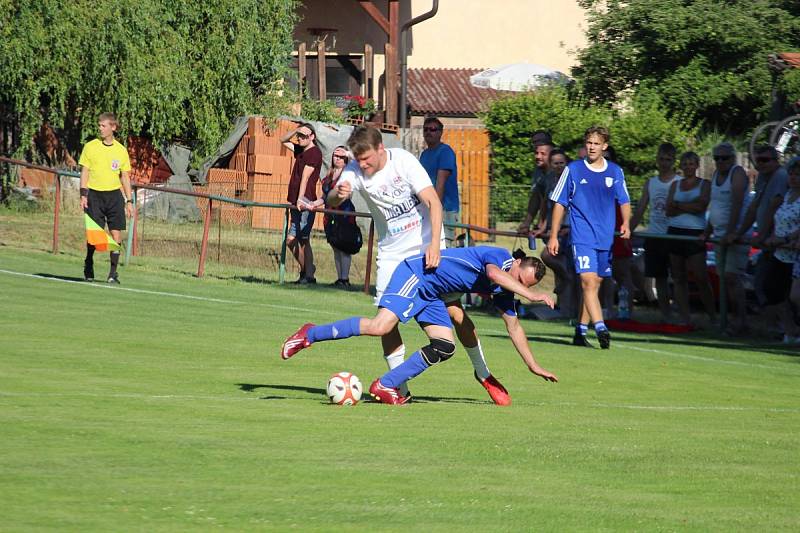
{"points": [[415, 292], [439, 161], [590, 188]]}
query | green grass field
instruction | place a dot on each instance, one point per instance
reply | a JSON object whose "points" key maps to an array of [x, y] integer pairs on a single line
{"points": [[163, 405]]}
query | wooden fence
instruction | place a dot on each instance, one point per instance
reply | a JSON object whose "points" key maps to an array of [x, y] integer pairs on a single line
{"points": [[471, 145]]}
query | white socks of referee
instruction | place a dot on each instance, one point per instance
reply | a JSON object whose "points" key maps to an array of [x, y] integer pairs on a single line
{"points": [[395, 359], [475, 354]]}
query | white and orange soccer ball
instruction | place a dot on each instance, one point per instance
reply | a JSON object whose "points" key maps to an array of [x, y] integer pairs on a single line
{"points": [[344, 388]]}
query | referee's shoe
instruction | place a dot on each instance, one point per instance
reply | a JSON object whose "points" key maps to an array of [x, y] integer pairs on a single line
{"points": [[113, 279]]}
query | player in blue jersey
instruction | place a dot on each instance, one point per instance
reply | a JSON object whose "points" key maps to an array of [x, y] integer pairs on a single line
{"points": [[415, 292], [590, 188]]}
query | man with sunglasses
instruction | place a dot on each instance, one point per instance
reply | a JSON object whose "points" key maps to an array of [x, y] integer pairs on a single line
{"points": [[302, 193], [729, 202], [439, 161], [771, 185]]}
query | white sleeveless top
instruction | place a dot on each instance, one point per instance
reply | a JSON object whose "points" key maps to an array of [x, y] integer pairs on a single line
{"points": [[720, 206], [658, 192], [688, 220]]}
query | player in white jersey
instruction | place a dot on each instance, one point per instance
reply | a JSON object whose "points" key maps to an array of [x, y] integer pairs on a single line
{"points": [[408, 219]]}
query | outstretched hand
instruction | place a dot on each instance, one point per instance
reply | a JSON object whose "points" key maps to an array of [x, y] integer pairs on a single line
{"points": [[544, 374], [541, 297]]}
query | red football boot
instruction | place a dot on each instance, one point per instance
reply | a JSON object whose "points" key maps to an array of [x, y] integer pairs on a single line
{"points": [[496, 391], [387, 394], [296, 342]]}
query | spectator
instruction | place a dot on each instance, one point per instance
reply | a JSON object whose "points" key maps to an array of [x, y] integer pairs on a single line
{"points": [[302, 194], [105, 166], [339, 160], [686, 211], [729, 203], [770, 187], [622, 273], [779, 268], [439, 161], [622, 267], [542, 146], [589, 188], [656, 251], [565, 279]]}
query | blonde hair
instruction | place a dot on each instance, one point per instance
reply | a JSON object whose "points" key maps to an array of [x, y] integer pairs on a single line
{"points": [[110, 117]]}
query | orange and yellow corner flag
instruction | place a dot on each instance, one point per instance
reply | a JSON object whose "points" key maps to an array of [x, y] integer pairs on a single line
{"points": [[97, 237]]}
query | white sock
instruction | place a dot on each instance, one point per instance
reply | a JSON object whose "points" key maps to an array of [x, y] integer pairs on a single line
{"points": [[395, 359], [478, 362]]}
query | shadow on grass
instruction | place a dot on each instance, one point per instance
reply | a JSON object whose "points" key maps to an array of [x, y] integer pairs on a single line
{"points": [[564, 340], [251, 387], [701, 340], [62, 278]]}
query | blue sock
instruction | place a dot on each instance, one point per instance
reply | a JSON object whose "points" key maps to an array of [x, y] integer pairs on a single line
{"points": [[600, 326], [411, 368], [342, 329], [583, 329]]}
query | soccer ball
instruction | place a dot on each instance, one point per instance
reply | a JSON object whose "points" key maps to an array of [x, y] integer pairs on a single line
{"points": [[344, 388]]}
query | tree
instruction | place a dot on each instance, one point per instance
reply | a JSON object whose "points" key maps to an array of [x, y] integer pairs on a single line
{"points": [[169, 69], [706, 59]]}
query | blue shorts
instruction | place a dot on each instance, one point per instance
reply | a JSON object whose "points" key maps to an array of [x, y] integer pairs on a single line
{"points": [[300, 224], [588, 259], [402, 297]]}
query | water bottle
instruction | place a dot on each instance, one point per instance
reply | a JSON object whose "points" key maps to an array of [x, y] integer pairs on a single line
{"points": [[624, 309], [531, 242]]}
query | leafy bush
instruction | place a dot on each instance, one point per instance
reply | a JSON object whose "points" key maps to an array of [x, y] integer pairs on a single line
{"points": [[790, 84], [636, 132]]}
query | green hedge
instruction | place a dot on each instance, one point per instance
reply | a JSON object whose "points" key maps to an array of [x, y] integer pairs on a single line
{"points": [[636, 132]]}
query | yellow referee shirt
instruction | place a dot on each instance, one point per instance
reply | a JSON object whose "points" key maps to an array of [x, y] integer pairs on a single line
{"points": [[105, 164]]}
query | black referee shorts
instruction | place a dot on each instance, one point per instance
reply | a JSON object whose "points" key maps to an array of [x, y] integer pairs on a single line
{"points": [[107, 207]]}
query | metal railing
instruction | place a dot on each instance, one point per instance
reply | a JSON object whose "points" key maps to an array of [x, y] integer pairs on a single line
{"points": [[469, 229]]}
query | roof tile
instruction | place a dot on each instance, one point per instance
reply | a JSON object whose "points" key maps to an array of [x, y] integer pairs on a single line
{"points": [[446, 92]]}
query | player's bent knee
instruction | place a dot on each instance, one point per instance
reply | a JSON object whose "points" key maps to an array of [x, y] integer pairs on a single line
{"points": [[438, 351]]}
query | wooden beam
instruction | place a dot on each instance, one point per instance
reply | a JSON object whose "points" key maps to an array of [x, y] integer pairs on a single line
{"points": [[393, 88], [302, 72], [376, 14], [323, 94], [390, 103], [367, 72], [394, 24]]}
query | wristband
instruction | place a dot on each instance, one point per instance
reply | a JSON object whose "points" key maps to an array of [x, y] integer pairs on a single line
{"points": [[84, 191], [128, 201]]}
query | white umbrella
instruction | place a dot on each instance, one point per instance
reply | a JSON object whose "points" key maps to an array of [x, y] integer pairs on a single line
{"points": [[517, 77]]}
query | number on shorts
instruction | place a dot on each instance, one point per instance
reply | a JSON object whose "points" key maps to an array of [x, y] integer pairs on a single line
{"points": [[583, 261]]}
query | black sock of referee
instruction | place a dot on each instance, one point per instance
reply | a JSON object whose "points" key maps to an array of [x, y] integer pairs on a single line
{"points": [[89, 254], [114, 262]]}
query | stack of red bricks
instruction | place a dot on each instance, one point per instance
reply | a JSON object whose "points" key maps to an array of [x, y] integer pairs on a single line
{"points": [[147, 165], [258, 170]]}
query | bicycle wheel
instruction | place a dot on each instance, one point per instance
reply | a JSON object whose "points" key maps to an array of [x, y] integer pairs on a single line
{"points": [[786, 138], [761, 136]]}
